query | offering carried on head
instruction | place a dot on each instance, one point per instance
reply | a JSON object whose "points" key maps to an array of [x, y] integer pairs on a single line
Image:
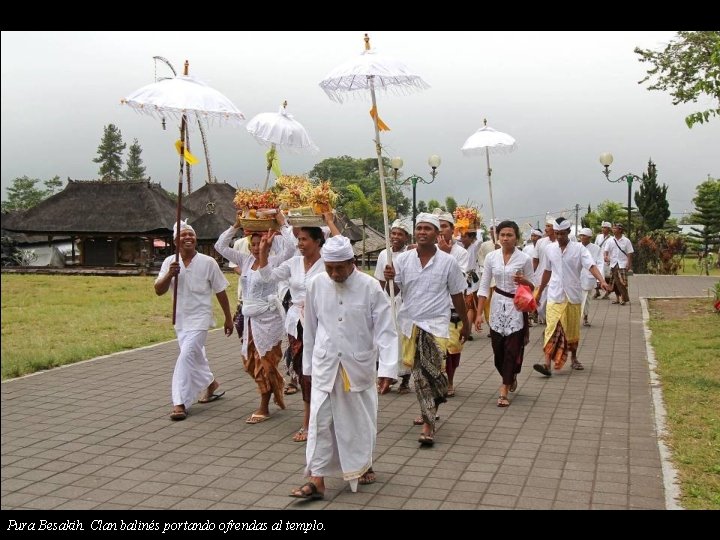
{"points": [[467, 219], [258, 209]]}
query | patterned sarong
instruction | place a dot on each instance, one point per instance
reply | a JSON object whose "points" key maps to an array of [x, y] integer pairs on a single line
{"points": [[562, 333], [264, 369], [431, 383]]}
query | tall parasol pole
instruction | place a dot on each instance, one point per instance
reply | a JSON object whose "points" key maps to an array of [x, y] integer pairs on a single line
{"points": [[492, 205], [381, 173], [271, 156], [183, 128]]}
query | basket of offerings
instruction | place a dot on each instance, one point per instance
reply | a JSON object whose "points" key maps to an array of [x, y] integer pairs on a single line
{"points": [[467, 219], [257, 210], [307, 201]]}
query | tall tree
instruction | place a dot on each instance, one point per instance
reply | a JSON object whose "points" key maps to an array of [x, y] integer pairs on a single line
{"points": [[606, 211], [110, 152], [450, 204], [344, 170], [688, 67], [707, 213], [433, 204], [134, 169], [23, 193], [651, 200]]}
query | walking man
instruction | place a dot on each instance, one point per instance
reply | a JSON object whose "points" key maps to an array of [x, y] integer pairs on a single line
{"points": [[565, 261], [348, 327], [198, 277], [619, 255], [431, 282]]}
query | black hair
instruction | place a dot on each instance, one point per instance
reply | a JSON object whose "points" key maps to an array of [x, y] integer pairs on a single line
{"points": [[315, 233], [508, 224]]}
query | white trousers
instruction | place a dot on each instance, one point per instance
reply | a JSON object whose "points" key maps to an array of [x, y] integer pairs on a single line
{"points": [[585, 303], [342, 432], [192, 370]]}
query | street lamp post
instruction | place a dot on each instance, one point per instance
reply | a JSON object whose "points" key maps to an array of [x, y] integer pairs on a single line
{"points": [[396, 163], [606, 159]]}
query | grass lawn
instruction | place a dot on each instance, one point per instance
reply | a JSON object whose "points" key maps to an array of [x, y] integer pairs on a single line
{"points": [[686, 340], [51, 320], [691, 267]]}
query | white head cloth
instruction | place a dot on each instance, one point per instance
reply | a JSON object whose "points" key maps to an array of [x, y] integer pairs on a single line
{"points": [[337, 249], [183, 226], [536, 232], [606, 224], [446, 216], [424, 217], [563, 225], [404, 224], [586, 231], [549, 220]]}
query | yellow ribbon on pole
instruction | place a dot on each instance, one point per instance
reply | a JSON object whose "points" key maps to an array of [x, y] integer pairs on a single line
{"points": [[273, 162], [189, 158], [382, 126]]}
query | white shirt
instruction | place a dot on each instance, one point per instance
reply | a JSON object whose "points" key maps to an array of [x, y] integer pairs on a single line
{"points": [[566, 267], [601, 240], [488, 246], [614, 247], [293, 272], [504, 318], [529, 250], [241, 245], [196, 283], [587, 280], [540, 249], [426, 291], [348, 324], [472, 251]]}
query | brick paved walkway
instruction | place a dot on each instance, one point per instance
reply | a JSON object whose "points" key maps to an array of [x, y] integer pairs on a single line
{"points": [[97, 434]]}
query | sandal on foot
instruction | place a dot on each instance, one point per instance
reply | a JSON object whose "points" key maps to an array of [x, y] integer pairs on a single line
{"points": [[257, 418], [451, 393], [403, 389], [419, 420], [577, 366], [513, 386], [210, 398], [312, 492], [290, 390], [367, 478], [426, 440], [179, 415], [503, 401], [615, 302], [542, 368], [300, 436]]}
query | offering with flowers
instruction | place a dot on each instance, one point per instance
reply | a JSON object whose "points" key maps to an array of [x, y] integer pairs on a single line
{"points": [[467, 218], [292, 191]]}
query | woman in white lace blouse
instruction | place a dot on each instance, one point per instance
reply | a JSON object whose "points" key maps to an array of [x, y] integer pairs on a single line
{"points": [[509, 328]]}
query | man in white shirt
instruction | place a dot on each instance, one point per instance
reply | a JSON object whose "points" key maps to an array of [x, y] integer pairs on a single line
{"points": [[588, 281], [601, 240], [348, 327], [198, 276], [455, 345], [400, 237], [540, 262], [618, 253], [565, 261], [431, 282]]}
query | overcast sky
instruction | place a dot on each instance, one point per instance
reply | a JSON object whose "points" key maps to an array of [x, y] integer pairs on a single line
{"points": [[565, 96]]}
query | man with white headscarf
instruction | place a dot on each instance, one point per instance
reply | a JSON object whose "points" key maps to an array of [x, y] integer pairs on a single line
{"points": [[455, 346], [431, 282], [400, 237], [198, 277], [588, 281], [601, 241], [348, 327], [565, 262], [540, 262]]}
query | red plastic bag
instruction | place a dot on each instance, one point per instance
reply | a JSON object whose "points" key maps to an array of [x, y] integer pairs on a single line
{"points": [[524, 299]]}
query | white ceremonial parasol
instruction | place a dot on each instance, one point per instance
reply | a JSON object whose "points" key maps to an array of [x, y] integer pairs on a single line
{"points": [[280, 131], [186, 99], [484, 141], [368, 71]]}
